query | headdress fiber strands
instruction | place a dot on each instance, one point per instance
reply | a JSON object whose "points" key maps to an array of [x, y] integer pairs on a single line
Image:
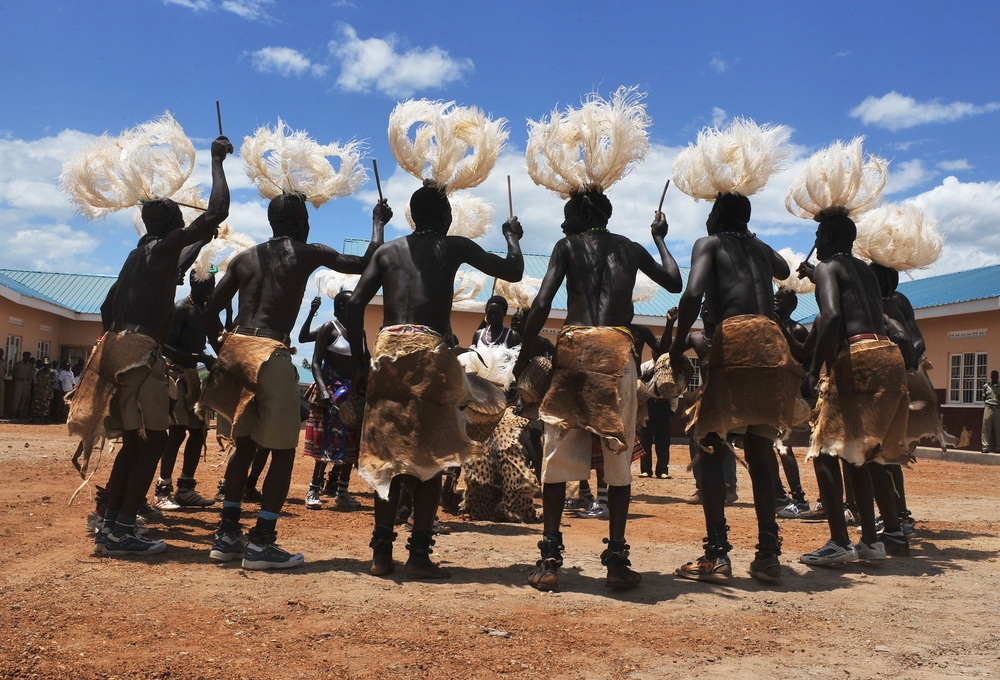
{"points": [[589, 148], [149, 162], [468, 285], [471, 215], [455, 147], [280, 160], [738, 160], [519, 295], [838, 179], [900, 236], [220, 251], [793, 283], [332, 283]]}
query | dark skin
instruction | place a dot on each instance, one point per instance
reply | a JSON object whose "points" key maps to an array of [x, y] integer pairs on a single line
{"points": [[667, 336], [495, 314], [541, 346], [731, 269], [799, 339], [599, 269], [186, 342], [326, 335], [144, 295], [417, 276]]}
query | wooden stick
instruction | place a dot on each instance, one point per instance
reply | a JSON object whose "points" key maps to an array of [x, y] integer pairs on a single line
{"points": [[218, 114], [377, 182], [510, 199], [663, 195], [811, 251]]}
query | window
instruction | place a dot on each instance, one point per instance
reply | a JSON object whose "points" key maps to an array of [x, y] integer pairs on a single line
{"points": [[695, 382], [43, 349], [13, 351], [967, 373]]}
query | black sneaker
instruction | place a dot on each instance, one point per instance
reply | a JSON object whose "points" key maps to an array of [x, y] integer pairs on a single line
{"points": [[227, 545], [269, 556], [129, 544], [896, 543]]}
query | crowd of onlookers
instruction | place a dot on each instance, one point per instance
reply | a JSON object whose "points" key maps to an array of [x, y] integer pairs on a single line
{"points": [[34, 389]]}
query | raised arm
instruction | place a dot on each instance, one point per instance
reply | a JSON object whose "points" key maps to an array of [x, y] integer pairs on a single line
{"points": [[666, 273], [668, 331], [323, 337], [354, 264], [509, 268], [204, 226], [305, 334]]}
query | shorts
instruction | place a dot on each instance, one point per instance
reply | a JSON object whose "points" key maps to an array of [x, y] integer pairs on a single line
{"points": [[272, 419], [141, 401]]}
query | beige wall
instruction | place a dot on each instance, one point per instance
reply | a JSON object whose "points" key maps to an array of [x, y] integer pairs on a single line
{"points": [[34, 325]]}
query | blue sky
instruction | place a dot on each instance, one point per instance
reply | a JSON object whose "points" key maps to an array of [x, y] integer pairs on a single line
{"points": [[918, 79]]}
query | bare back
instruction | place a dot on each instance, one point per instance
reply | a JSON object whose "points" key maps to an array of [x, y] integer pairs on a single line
{"points": [[860, 301], [144, 292], [740, 278], [600, 269]]}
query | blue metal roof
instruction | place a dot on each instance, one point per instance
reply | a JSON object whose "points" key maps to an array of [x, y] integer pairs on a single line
{"points": [[82, 293]]}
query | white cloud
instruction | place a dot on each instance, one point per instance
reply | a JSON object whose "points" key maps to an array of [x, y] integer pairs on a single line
{"points": [[55, 247], [719, 117], [284, 61], [252, 10], [967, 214], [719, 64], [375, 64], [955, 165], [906, 175], [840, 55], [895, 111]]}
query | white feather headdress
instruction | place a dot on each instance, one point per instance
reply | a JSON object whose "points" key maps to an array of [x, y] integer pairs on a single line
{"points": [[838, 178], [645, 288], [468, 285], [149, 162], [455, 147], [220, 251], [900, 236], [737, 160], [793, 282], [519, 295], [589, 148], [494, 363], [282, 160], [332, 283], [471, 215]]}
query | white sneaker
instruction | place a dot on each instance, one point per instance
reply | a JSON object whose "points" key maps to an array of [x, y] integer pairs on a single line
{"points": [[313, 501], [166, 503], [875, 551], [831, 553]]}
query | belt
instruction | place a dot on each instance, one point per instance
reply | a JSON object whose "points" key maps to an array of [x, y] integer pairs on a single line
{"points": [[132, 328], [865, 336], [263, 333]]}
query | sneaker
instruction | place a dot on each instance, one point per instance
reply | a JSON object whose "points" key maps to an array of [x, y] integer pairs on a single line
{"points": [[572, 505], [707, 569], [896, 543], [875, 551], [817, 514], [252, 495], [731, 496], [269, 556], [130, 544], [831, 553], [346, 501], [192, 499], [221, 493], [849, 516], [148, 513], [908, 526], [586, 498], [597, 510], [100, 542], [313, 501], [166, 503], [791, 511], [766, 569], [782, 502], [94, 522], [663, 475], [695, 498], [645, 475], [227, 546]]}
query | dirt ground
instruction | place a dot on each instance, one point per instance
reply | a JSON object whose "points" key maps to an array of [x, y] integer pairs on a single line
{"points": [[67, 613]]}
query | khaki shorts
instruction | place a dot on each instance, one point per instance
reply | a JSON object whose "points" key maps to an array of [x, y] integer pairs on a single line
{"points": [[568, 452], [183, 413], [141, 401], [272, 418]]}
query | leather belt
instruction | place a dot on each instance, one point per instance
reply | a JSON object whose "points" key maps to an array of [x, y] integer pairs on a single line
{"points": [[263, 333], [132, 328], [866, 336]]}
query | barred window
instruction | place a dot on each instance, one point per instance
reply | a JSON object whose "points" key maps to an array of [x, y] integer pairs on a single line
{"points": [[695, 382], [967, 373]]}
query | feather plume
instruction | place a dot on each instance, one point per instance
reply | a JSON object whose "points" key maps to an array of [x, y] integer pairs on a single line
{"points": [[838, 177], [151, 161], [519, 295], [900, 236], [737, 160], [455, 147], [494, 363], [332, 283], [468, 285], [589, 148], [220, 251], [793, 282], [645, 288], [282, 160], [471, 215]]}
